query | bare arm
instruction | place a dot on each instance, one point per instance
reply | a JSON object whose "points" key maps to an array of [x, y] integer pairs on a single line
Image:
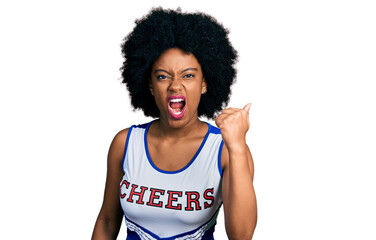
{"points": [[110, 216], [239, 199]]}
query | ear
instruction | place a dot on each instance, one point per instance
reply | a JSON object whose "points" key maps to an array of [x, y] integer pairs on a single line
{"points": [[204, 86], [151, 87]]}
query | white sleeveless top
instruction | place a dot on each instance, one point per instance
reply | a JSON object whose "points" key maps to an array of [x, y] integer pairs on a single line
{"points": [[181, 204]]}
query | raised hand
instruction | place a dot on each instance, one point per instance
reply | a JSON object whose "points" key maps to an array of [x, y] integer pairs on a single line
{"points": [[234, 124]]}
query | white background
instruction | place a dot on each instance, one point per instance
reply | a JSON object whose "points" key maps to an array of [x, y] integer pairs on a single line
{"points": [[308, 67]]}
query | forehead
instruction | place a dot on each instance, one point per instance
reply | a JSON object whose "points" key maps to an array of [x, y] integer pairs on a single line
{"points": [[175, 59]]}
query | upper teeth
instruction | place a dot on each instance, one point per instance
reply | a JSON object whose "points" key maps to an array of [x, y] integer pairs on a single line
{"points": [[177, 100]]}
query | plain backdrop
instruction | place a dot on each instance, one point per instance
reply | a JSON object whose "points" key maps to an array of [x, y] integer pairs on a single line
{"points": [[308, 67]]}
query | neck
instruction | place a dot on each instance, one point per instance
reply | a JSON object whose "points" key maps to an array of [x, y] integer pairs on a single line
{"points": [[167, 131]]}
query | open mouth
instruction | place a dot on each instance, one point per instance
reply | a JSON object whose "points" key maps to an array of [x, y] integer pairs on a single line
{"points": [[176, 106]]}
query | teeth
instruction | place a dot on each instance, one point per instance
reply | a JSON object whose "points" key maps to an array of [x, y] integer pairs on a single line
{"points": [[177, 100]]}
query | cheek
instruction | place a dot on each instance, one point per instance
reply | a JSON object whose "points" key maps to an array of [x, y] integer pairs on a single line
{"points": [[195, 96], [159, 98]]}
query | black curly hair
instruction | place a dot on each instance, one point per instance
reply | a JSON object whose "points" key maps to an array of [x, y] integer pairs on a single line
{"points": [[196, 33]]}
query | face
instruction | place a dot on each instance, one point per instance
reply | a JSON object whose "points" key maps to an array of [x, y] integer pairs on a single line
{"points": [[177, 82]]}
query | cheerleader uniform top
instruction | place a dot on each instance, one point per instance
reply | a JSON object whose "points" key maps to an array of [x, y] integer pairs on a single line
{"points": [[168, 205]]}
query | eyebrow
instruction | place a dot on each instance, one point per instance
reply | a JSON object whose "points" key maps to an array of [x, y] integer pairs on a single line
{"points": [[185, 70], [190, 69], [161, 70]]}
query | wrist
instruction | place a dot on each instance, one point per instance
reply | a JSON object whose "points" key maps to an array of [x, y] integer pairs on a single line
{"points": [[237, 147]]}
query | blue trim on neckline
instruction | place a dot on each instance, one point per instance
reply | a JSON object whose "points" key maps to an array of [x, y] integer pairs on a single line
{"points": [[180, 170]]}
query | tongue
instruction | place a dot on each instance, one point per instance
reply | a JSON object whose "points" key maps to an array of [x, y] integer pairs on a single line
{"points": [[177, 105]]}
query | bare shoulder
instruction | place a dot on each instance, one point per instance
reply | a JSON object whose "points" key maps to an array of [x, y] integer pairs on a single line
{"points": [[117, 147], [121, 136]]}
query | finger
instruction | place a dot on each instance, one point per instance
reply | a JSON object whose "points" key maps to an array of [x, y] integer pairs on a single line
{"points": [[247, 107], [218, 120]]}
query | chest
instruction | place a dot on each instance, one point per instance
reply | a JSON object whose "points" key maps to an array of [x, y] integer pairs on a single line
{"points": [[156, 199], [172, 155]]}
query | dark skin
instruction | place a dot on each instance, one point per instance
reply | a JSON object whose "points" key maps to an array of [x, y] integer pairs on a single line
{"points": [[163, 135], [160, 148], [176, 73], [110, 216]]}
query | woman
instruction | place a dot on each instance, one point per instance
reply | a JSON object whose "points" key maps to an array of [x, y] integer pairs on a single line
{"points": [[176, 171]]}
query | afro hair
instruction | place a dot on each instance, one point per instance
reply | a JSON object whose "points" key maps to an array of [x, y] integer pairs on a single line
{"points": [[196, 33]]}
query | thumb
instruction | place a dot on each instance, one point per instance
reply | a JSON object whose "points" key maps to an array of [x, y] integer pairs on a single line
{"points": [[247, 107]]}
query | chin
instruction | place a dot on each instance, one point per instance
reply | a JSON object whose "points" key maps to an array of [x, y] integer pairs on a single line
{"points": [[181, 122]]}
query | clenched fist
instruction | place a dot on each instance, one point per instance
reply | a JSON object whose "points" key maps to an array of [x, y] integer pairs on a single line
{"points": [[234, 124]]}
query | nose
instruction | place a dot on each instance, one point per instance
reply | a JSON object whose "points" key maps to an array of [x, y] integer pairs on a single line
{"points": [[176, 85]]}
